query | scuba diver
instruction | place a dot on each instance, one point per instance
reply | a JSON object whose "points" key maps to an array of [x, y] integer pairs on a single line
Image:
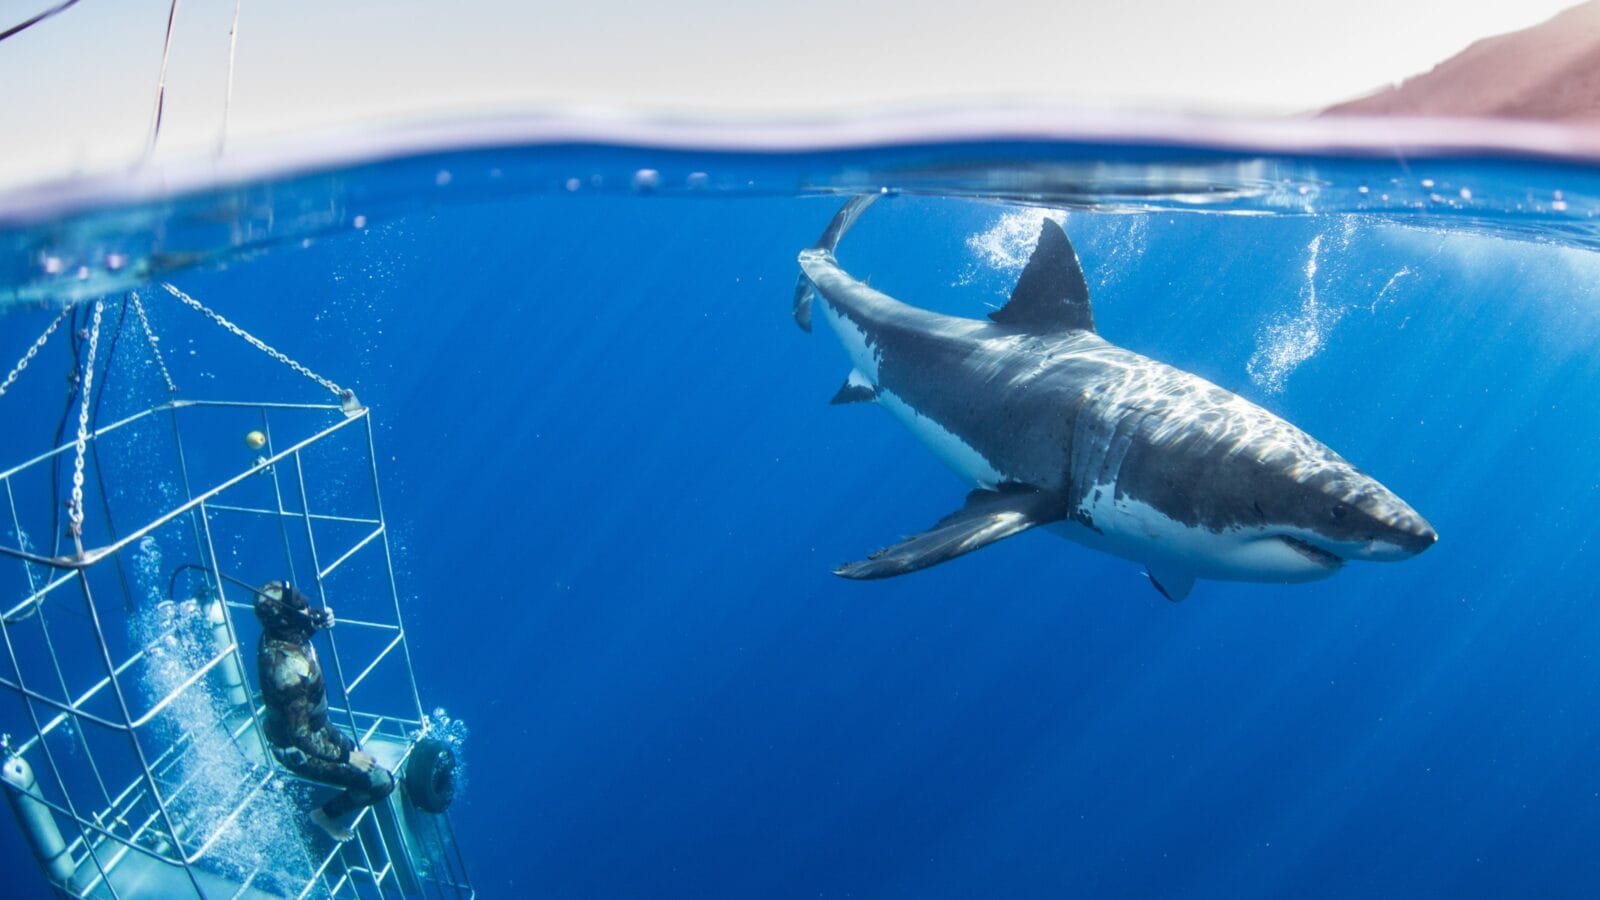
{"points": [[296, 721]]}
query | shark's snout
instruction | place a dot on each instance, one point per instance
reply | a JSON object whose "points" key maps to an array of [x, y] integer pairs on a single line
{"points": [[1394, 532], [1404, 538]]}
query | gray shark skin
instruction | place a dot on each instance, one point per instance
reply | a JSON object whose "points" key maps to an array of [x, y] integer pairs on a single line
{"points": [[1051, 425]]}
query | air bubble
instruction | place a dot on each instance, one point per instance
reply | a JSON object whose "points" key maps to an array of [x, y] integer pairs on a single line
{"points": [[359, 221], [646, 180], [441, 178]]}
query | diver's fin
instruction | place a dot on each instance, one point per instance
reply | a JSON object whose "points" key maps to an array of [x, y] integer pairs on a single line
{"points": [[847, 215], [988, 516], [856, 389], [1174, 584], [1051, 295]]}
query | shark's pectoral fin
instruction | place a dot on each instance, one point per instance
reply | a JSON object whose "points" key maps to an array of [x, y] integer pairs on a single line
{"points": [[1174, 584], [988, 516], [856, 389]]}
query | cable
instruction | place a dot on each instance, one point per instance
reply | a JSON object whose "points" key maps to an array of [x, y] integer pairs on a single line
{"points": [[94, 451], [172, 583], [29, 23], [161, 80], [76, 343]]}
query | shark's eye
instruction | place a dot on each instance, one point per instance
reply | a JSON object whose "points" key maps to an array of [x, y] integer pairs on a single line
{"points": [[1339, 512]]}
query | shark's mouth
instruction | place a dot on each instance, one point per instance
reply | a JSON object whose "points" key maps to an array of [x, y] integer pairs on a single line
{"points": [[1312, 552]]}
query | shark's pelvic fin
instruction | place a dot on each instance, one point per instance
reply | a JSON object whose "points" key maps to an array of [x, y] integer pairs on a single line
{"points": [[1174, 584], [988, 516], [1051, 295], [847, 215], [856, 389]]}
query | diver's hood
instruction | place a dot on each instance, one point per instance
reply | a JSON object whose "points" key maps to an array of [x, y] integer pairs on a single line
{"points": [[285, 613]]}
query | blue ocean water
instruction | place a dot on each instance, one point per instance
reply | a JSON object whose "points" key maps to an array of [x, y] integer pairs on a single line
{"points": [[617, 490]]}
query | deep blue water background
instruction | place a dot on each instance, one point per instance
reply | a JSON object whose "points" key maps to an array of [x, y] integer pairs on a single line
{"points": [[618, 490]]}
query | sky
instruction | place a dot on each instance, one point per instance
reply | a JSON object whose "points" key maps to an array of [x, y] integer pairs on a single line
{"points": [[80, 88]]}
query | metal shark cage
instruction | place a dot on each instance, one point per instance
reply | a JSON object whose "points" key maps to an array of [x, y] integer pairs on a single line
{"points": [[136, 765]]}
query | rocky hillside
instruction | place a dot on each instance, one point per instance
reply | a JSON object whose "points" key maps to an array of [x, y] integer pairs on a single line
{"points": [[1550, 71]]}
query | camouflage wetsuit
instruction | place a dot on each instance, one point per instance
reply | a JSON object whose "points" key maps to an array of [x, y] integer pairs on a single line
{"points": [[296, 721]]}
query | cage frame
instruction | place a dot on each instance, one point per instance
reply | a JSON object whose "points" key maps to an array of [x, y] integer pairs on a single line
{"points": [[365, 866]]}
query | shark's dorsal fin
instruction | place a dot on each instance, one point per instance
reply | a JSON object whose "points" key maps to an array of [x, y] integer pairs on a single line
{"points": [[1051, 295]]}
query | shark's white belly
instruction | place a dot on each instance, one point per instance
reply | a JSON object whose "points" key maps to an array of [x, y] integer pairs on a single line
{"points": [[1139, 532], [951, 450]]}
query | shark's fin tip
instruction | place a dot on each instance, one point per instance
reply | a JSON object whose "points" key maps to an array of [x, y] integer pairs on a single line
{"points": [[1173, 584], [988, 516], [1051, 295]]}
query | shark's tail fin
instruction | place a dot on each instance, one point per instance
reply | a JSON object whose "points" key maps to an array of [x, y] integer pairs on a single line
{"points": [[842, 220]]}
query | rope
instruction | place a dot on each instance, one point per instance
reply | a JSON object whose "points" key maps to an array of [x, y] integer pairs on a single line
{"points": [[154, 342], [252, 340], [32, 352], [76, 511]]}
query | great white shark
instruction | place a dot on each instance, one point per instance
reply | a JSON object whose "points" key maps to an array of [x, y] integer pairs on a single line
{"points": [[1054, 426]]}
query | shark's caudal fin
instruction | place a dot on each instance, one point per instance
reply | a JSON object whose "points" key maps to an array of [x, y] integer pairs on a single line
{"points": [[1051, 295], [988, 516], [842, 220]]}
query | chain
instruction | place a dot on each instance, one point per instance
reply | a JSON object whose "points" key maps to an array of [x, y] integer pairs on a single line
{"points": [[155, 349], [75, 512], [32, 352], [256, 342]]}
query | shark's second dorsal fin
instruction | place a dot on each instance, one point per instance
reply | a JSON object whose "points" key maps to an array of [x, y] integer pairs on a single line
{"points": [[1051, 295]]}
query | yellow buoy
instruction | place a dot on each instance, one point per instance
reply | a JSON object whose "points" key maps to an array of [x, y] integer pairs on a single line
{"points": [[255, 440]]}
